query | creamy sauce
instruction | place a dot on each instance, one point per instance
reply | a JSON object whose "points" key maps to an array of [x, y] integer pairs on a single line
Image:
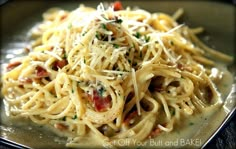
{"points": [[192, 131]]}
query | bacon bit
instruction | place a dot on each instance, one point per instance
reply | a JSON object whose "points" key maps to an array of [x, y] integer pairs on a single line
{"points": [[25, 80], [63, 17], [130, 116], [27, 49], [51, 48], [59, 64], [41, 72], [117, 6], [182, 67], [154, 133], [13, 65], [60, 126], [100, 103], [21, 86]]}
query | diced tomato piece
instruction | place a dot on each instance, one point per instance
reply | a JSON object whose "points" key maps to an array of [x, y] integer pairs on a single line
{"points": [[130, 116], [154, 133], [13, 65], [100, 103], [117, 6], [41, 72]]}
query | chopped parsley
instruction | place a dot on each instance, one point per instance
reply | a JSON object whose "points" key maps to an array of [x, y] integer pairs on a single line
{"points": [[64, 118], [65, 56], [119, 21], [172, 111], [129, 60], [81, 43], [74, 117], [137, 35], [191, 123], [98, 36], [69, 25], [101, 90], [84, 33], [147, 38], [104, 26], [116, 46]]}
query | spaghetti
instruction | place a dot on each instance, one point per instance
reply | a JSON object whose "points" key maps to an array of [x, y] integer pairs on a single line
{"points": [[112, 73]]}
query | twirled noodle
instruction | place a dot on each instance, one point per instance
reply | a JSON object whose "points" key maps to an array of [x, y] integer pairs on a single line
{"points": [[118, 75]]}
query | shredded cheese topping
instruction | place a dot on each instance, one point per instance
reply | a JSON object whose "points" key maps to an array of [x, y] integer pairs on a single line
{"points": [[111, 74]]}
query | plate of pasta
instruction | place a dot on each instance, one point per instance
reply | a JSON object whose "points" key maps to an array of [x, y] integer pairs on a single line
{"points": [[115, 74]]}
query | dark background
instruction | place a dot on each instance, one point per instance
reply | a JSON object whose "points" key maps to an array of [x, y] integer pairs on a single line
{"points": [[226, 138]]}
